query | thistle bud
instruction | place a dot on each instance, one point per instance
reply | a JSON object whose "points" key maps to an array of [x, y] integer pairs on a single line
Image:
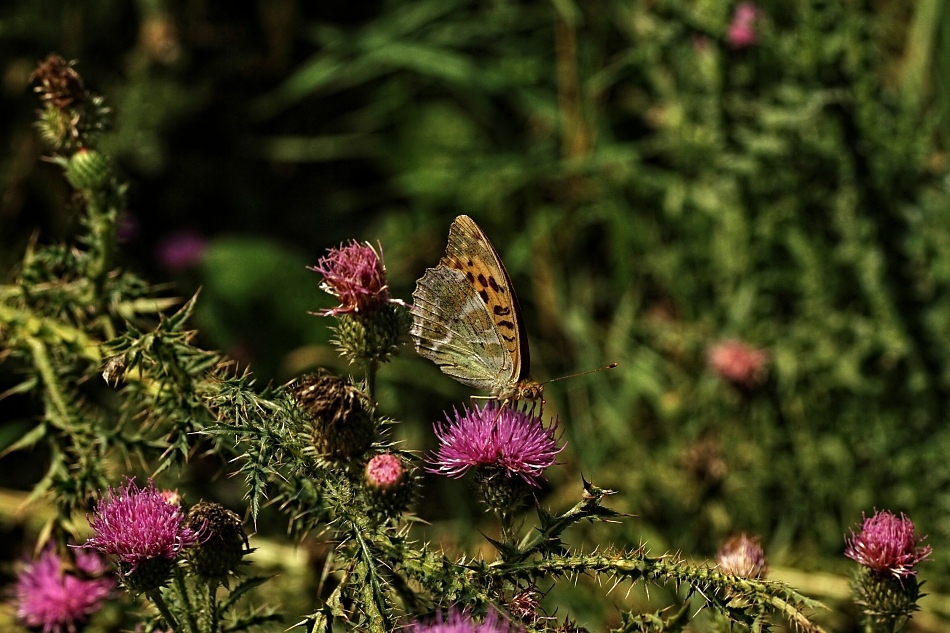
{"points": [[390, 485], [88, 170], [375, 336]]}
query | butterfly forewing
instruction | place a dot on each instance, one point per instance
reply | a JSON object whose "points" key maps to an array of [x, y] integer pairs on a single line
{"points": [[469, 251]]}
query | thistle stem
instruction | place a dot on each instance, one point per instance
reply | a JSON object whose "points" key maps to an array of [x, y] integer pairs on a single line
{"points": [[156, 597]]}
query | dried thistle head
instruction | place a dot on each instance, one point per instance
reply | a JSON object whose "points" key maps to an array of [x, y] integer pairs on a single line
{"points": [[59, 83], [340, 424]]}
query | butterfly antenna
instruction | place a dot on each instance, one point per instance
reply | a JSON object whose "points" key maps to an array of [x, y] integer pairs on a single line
{"points": [[583, 373]]}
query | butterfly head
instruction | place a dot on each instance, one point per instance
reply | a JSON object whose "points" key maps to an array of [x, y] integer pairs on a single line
{"points": [[528, 389]]}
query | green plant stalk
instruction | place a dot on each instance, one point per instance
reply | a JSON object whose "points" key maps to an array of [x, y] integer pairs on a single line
{"points": [[102, 225], [185, 598], [58, 416], [155, 596]]}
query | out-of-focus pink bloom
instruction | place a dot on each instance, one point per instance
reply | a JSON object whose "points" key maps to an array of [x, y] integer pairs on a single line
{"points": [[54, 599], [742, 31], [742, 555], [462, 622], [180, 251], [739, 363]]}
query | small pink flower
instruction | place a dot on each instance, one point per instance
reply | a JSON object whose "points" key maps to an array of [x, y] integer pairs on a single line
{"points": [[742, 555], [507, 439], [738, 362], [355, 275], [742, 33], [51, 597], [887, 544]]}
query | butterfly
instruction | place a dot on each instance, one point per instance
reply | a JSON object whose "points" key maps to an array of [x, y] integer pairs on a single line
{"points": [[466, 318]]}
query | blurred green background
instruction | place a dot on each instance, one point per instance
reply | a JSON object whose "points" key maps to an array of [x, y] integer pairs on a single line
{"points": [[653, 186]]}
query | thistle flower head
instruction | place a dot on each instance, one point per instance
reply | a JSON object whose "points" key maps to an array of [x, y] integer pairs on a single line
{"points": [[887, 544], [50, 598], [502, 439], [138, 524], [739, 363], [462, 622], [355, 275], [742, 555], [742, 33], [341, 427]]}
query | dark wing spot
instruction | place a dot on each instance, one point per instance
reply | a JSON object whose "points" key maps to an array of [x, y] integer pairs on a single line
{"points": [[493, 284], [505, 324], [483, 295], [501, 311], [481, 280], [470, 276]]}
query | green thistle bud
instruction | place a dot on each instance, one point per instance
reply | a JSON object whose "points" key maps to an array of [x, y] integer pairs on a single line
{"points": [[223, 543], [54, 126], [340, 423], [884, 599], [502, 493], [88, 170], [374, 336], [147, 575]]}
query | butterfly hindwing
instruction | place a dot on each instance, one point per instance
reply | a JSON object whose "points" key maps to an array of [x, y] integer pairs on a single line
{"points": [[452, 328]]}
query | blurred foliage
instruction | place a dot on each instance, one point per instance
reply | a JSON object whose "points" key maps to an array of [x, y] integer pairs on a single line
{"points": [[651, 188]]}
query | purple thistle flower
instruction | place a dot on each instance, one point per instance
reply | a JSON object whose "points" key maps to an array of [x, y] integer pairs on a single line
{"points": [[137, 525], [507, 439], [887, 544], [50, 597], [742, 555], [355, 275], [461, 622]]}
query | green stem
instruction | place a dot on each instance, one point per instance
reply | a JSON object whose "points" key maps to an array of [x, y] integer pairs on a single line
{"points": [[186, 600], [156, 597], [372, 367], [213, 605], [59, 415], [102, 224]]}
